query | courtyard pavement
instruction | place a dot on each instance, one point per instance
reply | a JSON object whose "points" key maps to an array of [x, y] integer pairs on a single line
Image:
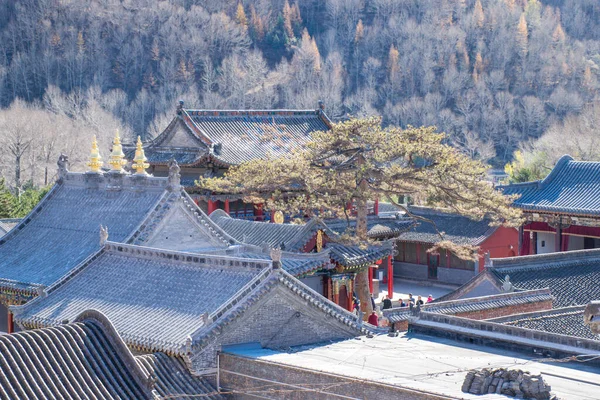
{"points": [[403, 287]]}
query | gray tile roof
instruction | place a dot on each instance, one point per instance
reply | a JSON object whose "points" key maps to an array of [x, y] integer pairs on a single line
{"points": [[378, 227], [354, 256], [296, 264], [82, 360], [232, 137], [474, 304], [292, 236], [563, 321], [456, 228], [63, 229], [573, 277], [573, 187], [154, 298], [295, 237], [235, 308], [173, 378], [247, 135]]}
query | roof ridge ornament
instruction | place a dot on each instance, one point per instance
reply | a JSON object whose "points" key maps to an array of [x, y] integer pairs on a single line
{"points": [[63, 166], [174, 180], [139, 161], [95, 162], [103, 235], [117, 157]]}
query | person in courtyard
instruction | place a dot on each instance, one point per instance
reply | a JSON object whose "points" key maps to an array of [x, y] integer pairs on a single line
{"points": [[387, 303], [403, 303], [411, 298], [429, 299], [374, 319], [372, 302], [419, 301], [356, 304]]}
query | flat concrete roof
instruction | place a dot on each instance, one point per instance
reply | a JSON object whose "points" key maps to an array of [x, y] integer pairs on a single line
{"points": [[428, 363]]}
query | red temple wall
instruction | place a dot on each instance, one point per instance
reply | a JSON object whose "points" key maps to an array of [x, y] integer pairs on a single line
{"points": [[504, 242]]}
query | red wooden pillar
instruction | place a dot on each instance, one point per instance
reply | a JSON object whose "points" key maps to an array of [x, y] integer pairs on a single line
{"points": [[350, 301], [370, 280], [336, 297], [376, 207], [212, 206], [11, 325], [390, 277], [227, 206], [258, 212]]}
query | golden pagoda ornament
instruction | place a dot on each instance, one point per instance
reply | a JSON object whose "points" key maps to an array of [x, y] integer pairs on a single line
{"points": [[117, 157], [139, 162], [95, 162]]}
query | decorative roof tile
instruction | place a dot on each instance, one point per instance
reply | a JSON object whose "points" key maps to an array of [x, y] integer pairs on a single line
{"points": [[174, 380], [572, 187], [79, 360]]}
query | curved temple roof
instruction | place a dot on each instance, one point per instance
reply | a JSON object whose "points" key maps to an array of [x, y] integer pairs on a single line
{"points": [[84, 359], [160, 300], [63, 230], [573, 187], [231, 137]]}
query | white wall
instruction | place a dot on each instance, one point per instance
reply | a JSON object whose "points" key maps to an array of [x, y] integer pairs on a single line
{"points": [[545, 242]]}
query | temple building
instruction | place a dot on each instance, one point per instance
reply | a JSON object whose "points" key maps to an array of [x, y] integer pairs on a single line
{"points": [[314, 237], [414, 261], [189, 305], [208, 142], [86, 358], [83, 210], [562, 211]]}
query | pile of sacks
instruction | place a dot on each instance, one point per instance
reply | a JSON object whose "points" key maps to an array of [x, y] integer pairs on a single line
{"points": [[514, 383]]}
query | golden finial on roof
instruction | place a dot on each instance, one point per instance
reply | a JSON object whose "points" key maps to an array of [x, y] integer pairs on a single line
{"points": [[139, 162], [95, 162], [117, 157]]}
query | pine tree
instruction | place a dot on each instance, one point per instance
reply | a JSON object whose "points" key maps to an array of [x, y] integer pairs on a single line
{"points": [[478, 67], [393, 67], [240, 16], [256, 22], [522, 35], [360, 31], [558, 36], [287, 20], [7, 201], [80, 42], [478, 14], [358, 160]]}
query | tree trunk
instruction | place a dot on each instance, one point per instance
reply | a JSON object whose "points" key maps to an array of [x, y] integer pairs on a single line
{"points": [[361, 282], [18, 175]]}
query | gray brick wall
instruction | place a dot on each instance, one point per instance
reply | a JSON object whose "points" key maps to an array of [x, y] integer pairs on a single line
{"points": [[279, 320], [451, 275], [256, 379]]}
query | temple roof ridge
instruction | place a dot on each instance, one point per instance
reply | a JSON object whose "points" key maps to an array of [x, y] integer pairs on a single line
{"points": [[542, 260], [261, 287]]}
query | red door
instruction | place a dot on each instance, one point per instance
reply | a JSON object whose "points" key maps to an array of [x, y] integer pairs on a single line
{"points": [[343, 297]]}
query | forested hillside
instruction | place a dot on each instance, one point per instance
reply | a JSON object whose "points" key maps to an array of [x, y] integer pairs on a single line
{"points": [[490, 73]]}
